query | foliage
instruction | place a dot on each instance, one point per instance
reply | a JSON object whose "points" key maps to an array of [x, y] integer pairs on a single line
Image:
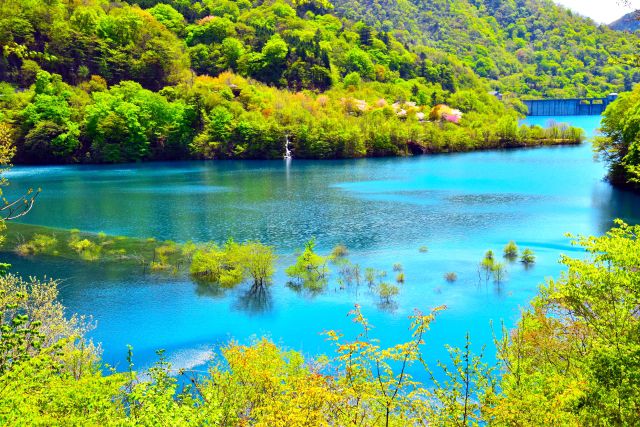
{"points": [[572, 360], [574, 357], [39, 243], [534, 48], [136, 85], [339, 251], [258, 261], [310, 270], [87, 249], [510, 251], [528, 257], [161, 255], [466, 394], [619, 146], [499, 272], [234, 263], [129, 123], [387, 291], [451, 277]]}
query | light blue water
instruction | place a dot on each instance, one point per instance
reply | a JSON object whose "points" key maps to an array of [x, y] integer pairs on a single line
{"points": [[459, 205]]}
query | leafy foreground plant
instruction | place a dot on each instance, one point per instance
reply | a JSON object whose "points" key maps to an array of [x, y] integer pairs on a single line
{"points": [[574, 358]]}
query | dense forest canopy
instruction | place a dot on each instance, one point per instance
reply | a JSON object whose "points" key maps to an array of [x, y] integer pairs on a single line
{"points": [[531, 47]]}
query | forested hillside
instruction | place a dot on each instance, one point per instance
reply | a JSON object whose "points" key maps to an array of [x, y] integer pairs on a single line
{"points": [[531, 47], [99, 81]]}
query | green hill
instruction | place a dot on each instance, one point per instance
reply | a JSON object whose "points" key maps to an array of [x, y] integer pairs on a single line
{"points": [[102, 81], [530, 47]]}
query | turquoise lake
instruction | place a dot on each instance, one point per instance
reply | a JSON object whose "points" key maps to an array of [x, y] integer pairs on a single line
{"points": [[383, 210]]}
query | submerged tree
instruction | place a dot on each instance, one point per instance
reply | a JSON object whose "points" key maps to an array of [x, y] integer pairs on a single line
{"points": [[310, 270], [234, 263], [528, 257], [387, 291], [511, 251]]}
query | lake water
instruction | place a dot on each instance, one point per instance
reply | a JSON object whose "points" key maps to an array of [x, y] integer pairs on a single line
{"points": [[383, 210]]}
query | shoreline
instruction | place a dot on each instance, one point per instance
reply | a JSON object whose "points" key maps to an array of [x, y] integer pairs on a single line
{"points": [[426, 152]]}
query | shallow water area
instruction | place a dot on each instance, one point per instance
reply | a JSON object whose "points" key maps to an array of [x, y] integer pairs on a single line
{"points": [[383, 210]]}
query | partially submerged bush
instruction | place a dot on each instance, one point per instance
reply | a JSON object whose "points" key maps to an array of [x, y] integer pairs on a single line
{"points": [[387, 291], [340, 251], [370, 276], [528, 257], [214, 264], [88, 250], [39, 244], [451, 277], [234, 263], [310, 269], [499, 272], [161, 255], [511, 251]]}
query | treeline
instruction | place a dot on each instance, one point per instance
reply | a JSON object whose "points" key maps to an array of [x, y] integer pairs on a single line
{"points": [[109, 82], [571, 360], [231, 117]]}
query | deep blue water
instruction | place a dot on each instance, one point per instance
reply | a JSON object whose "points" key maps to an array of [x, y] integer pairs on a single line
{"points": [[383, 210]]}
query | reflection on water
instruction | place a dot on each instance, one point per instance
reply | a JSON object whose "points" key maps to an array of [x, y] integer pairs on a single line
{"points": [[257, 300], [383, 210]]}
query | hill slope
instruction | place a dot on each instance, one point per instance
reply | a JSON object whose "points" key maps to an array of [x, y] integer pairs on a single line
{"points": [[106, 81], [530, 47], [629, 22]]}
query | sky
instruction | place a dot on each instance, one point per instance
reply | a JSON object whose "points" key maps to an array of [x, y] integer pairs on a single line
{"points": [[601, 11]]}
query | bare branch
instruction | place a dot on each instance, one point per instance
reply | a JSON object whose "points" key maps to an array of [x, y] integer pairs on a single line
{"points": [[19, 207]]}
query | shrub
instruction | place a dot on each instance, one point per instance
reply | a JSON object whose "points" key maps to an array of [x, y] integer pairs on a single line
{"points": [[499, 272], [217, 265], [451, 277], [257, 261], [310, 269], [340, 251], [39, 243], [370, 276], [88, 250], [386, 291], [511, 251], [161, 256], [528, 257], [489, 255]]}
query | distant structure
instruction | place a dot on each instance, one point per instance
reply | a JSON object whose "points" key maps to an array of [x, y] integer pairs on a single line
{"points": [[569, 107]]}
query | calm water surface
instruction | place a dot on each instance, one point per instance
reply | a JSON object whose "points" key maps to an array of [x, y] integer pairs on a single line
{"points": [[384, 210]]}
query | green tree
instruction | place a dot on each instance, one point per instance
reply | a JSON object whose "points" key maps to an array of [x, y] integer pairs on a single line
{"points": [[573, 358], [620, 145], [310, 270]]}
